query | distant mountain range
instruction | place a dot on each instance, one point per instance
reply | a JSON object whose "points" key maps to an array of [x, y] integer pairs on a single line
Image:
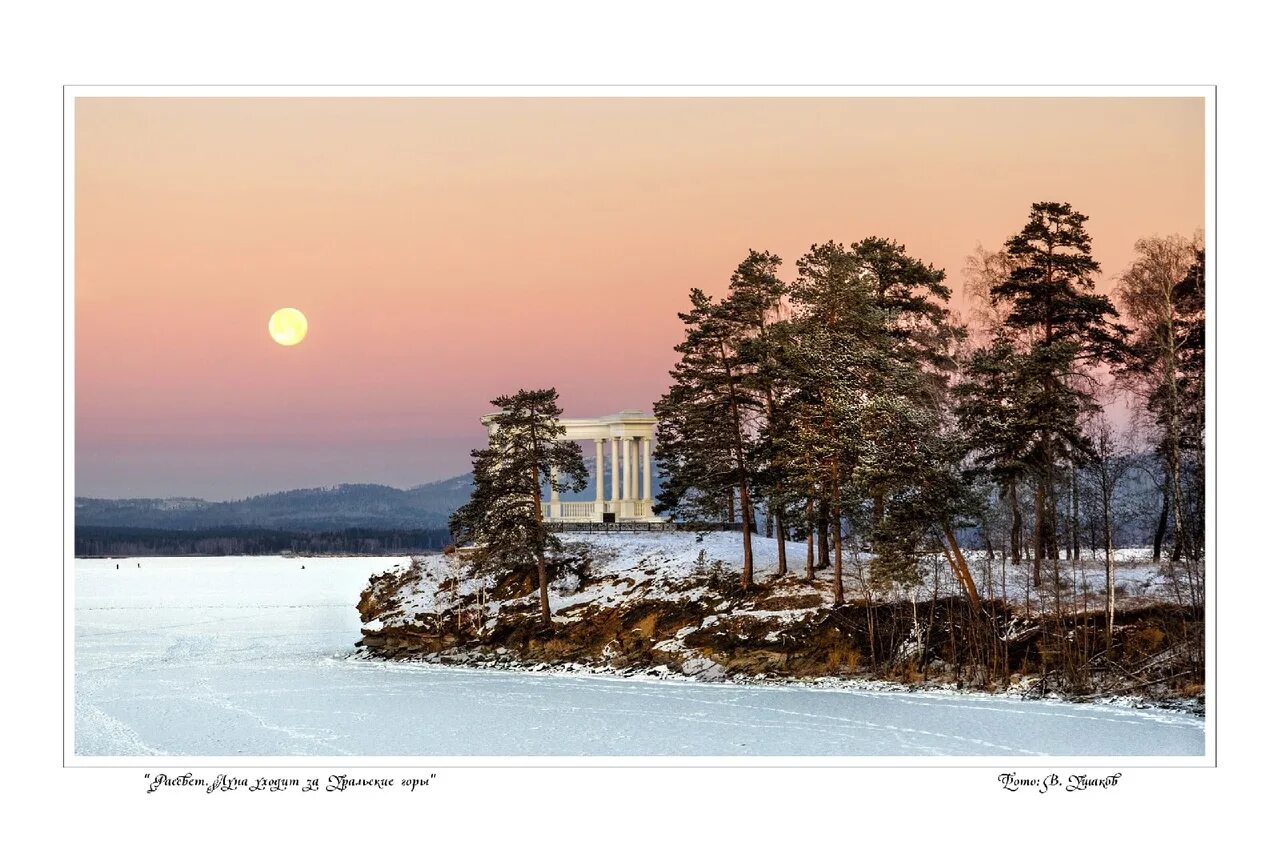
{"points": [[329, 508]]}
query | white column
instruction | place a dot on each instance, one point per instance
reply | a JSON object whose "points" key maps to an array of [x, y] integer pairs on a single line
{"points": [[613, 464], [648, 478], [599, 469], [635, 468], [626, 469], [555, 493], [599, 477]]}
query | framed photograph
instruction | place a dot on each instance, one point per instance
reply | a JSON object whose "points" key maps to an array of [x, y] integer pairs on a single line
{"points": [[706, 426]]}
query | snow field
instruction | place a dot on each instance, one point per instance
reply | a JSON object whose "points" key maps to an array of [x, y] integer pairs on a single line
{"points": [[253, 656]]}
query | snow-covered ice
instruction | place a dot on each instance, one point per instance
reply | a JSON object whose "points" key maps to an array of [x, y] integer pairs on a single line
{"points": [[253, 656]]}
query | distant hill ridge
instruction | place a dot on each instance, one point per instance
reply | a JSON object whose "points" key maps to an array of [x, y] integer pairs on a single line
{"points": [[321, 508]]}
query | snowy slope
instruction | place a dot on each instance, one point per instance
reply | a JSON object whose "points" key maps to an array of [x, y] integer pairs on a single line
{"points": [[675, 566]]}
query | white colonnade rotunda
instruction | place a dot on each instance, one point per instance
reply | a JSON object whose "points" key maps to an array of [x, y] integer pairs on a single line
{"points": [[628, 438]]}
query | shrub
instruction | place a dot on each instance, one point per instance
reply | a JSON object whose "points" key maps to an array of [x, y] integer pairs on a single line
{"points": [[1142, 641], [843, 659]]}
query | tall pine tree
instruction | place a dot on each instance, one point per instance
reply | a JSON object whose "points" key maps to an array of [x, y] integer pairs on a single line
{"points": [[906, 394], [1050, 294], [526, 450], [754, 308], [840, 337], [704, 441], [990, 404]]}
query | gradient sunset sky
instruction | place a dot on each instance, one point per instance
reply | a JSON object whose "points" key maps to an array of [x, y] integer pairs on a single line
{"points": [[449, 250]]}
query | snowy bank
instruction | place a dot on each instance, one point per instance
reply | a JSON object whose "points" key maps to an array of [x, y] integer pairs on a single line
{"points": [[670, 605]]}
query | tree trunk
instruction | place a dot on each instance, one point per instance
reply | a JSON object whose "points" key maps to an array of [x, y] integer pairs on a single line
{"points": [[1162, 525], [771, 424], [1177, 505], [748, 563], [781, 530], [1075, 515], [1173, 495], [1039, 535], [808, 522], [744, 486], [1174, 439], [544, 598], [961, 567], [1053, 546], [1052, 550], [1046, 448], [824, 531], [837, 583], [1195, 536], [1015, 524], [1111, 574]]}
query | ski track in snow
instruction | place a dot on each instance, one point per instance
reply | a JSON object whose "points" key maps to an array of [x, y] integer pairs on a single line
{"points": [[250, 656], [96, 725]]}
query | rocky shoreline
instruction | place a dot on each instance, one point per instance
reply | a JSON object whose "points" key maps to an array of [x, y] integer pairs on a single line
{"points": [[671, 608], [1020, 688]]}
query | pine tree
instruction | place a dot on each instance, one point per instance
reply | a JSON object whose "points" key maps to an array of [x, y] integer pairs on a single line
{"points": [[914, 300], [838, 344], [905, 404], [504, 515], [1050, 295], [704, 442], [754, 307], [986, 400], [917, 463], [990, 405], [796, 474]]}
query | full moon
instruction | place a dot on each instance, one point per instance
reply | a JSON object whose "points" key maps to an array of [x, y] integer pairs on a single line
{"points": [[288, 327]]}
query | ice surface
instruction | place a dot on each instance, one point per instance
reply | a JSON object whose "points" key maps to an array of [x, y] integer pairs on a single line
{"points": [[252, 656]]}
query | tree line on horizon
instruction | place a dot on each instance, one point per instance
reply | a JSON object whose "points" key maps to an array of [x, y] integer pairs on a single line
{"points": [[219, 541]]}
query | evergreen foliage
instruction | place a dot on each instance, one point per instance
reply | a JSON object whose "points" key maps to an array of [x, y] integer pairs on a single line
{"points": [[1050, 294], [503, 518], [849, 407], [706, 449]]}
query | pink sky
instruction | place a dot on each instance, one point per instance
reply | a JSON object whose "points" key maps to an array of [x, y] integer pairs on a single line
{"points": [[449, 250]]}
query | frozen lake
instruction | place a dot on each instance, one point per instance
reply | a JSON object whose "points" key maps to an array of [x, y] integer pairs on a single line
{"points": [[251, 656]]}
